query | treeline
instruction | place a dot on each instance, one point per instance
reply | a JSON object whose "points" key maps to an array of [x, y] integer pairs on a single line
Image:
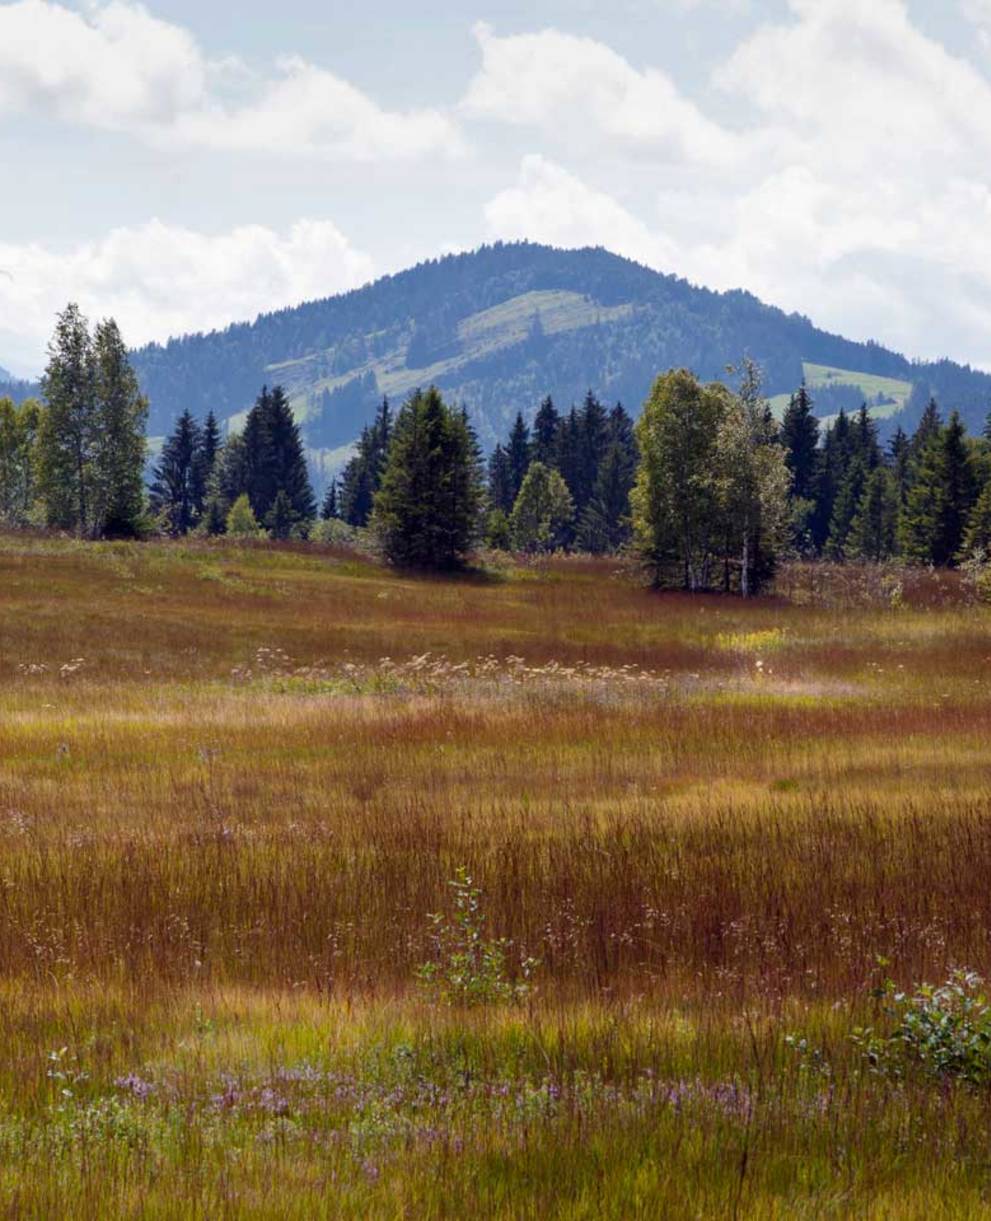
{"points": [[925, 497], [707, 489]]}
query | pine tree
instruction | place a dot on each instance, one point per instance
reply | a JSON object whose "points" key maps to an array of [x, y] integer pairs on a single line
{"points": [[275, 458], [900, 462], [329, 511], [518, 454], [863, 439], [361, 477], [542, 510], [930, 425], [545, 429], [179, 488], [834, 460], [281, 517], [122, 413], [605, 524], [977, 536], [426, 510], [212, 443], [593, 426], [959, 490], [872, 531], [845, 506], [69, 434], [940, 497], [500, 481], [800, 438]]}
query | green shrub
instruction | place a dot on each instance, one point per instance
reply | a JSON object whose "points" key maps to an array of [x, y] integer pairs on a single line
{"points": [[944, 1031], [467, 968]]}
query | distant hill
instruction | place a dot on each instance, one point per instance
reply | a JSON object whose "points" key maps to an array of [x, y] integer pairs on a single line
{"points": [[12, 388], [499, 328]]}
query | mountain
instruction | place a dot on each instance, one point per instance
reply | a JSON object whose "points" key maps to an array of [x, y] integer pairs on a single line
{"points": [[499, 328]]}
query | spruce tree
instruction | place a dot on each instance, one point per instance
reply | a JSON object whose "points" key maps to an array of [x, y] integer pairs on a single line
{"points": [[275, 458], [426, 510], [872, 531], [518, 454], [845, 506], [977, 536], [959, 490], [329, 510], [212, 443], [800, 438], [500, 481], [281, 517], [179, 488], [900, 464], [361, 477], [545, 430]]}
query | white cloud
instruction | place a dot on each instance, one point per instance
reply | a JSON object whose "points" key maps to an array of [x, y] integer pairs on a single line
{"points": [[856, 188], [579, 88], [118, 68], [550, 205], [158, 280]]}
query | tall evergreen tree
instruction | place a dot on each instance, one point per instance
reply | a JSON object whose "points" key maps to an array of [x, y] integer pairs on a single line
{"points": [[518, 454], [545, 429], [837, 451], [426, 511], [900, 464], [275, 458], [872, 531], [977, 536], [940, 497], [212, 443], [800, 438], [845, 506], [361, 477], [179, 488], [329, 510], [500, 479]]}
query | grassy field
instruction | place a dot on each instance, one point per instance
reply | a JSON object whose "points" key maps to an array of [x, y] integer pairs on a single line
{"points": [[235, 784], [870, 385]]}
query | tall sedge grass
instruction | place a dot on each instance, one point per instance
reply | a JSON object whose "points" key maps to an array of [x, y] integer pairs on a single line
{"points": [[235, 781]]}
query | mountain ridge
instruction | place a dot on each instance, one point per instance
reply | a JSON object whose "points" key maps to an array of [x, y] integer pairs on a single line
{"points": [[500, 327]]}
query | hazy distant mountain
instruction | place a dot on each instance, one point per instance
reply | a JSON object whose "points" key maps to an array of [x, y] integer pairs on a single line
{"points": [[501, 327]]}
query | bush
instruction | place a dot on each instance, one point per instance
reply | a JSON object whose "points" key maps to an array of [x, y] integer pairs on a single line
{"points": [[333, 532], [467, 968], [943, 1031], [241, 520]]}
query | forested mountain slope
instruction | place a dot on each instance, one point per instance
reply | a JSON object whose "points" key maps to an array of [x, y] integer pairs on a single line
{"points": [[499, 328]]}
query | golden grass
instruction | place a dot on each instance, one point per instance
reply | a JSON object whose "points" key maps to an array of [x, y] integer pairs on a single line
{"points": [[234, 781]]}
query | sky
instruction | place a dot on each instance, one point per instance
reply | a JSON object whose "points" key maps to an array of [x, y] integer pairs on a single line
{"points": [[180, 165]]}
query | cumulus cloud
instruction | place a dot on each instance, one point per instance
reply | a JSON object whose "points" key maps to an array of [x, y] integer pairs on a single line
{"points": [[854, 188], [159, 280], [117, 67], [549, 204], [581, 88]]}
